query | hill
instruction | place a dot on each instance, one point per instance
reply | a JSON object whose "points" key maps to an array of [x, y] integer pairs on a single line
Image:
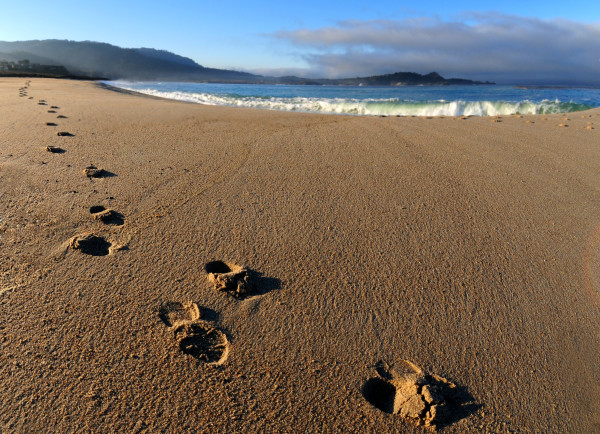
{"points": [[400, 79], [97, 59]]}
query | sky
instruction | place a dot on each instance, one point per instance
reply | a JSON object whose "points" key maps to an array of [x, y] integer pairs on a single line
{"points": [[509, 41]]}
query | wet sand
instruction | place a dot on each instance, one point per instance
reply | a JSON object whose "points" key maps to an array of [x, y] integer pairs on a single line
{"points": [[172, 267]]}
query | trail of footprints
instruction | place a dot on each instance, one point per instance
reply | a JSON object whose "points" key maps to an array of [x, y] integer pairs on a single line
{"points": [[89, 244], [423, 398], [193, 335]]}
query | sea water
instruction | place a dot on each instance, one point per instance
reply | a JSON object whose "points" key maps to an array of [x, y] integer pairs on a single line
{"points": [[477, 100]]}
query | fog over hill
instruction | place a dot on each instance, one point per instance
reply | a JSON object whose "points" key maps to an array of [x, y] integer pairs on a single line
{"points": [[97, 59]]}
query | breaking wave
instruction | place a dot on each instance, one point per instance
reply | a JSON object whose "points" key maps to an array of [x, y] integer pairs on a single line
{"points": [[367, 107]]}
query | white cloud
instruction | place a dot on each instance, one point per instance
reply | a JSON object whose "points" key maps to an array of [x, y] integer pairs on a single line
{"points": [[486, 46]]}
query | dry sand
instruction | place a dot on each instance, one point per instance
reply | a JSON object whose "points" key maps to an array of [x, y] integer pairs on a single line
{"points": [[469, 247]]}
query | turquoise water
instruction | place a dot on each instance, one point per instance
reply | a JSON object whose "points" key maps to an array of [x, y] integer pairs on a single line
{"points": [[485, 100]]}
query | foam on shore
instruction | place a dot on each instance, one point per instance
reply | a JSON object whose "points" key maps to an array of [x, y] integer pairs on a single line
{"points": [[387, 107]]}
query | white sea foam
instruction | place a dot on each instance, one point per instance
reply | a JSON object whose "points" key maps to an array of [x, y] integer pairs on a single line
{"points": [[373, 107]]}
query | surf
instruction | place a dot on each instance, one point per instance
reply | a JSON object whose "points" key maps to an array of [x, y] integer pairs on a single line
{"points": [[377, 101]]}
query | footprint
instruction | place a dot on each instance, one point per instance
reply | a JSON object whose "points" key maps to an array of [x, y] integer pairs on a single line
{"points": [[107, 216], [51, 111], [90, 245], [60, 117], [229, 277], [197, 338], [203, 342], [64, 134], [174, 313], [93, 172], [423, 398], [51, 124], [54, 107], [239, 281], [55, 149]]}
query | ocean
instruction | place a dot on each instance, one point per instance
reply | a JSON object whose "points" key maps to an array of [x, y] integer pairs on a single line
{"points": [[479, 100]]}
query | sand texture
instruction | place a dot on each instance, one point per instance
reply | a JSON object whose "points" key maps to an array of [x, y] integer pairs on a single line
{"points": [[172, 267]]}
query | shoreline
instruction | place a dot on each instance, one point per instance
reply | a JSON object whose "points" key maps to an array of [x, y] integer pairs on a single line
{"points": [[466, 246], [370, 104]]}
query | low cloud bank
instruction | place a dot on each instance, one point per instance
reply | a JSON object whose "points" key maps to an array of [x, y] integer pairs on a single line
{"points": [[496, 47]]}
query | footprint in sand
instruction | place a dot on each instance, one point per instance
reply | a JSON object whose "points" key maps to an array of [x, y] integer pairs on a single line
{"points": [[55, 149], [64, 134], [197, 338], [107, 216], [203, 342], [60, 117], [174, 314], [51, 111], [54, 107], [90, 244], [51, 124], [230, 277], [423, 398], [239, 281], [94, 172]]}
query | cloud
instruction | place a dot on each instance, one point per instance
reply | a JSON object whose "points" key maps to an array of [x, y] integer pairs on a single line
{"points": [[485, 46]]}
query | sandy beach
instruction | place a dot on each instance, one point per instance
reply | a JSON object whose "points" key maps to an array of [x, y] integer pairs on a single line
{"points": [[469, 247]]}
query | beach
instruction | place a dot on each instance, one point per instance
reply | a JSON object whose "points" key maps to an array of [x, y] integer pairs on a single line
{"points": [[469, 247]]}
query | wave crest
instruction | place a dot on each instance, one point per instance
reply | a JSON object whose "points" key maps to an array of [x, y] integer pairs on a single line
{"points": [[372, 107]]}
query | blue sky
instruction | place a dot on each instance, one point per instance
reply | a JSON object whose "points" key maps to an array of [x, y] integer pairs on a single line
{"points": [[333, 38]]}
